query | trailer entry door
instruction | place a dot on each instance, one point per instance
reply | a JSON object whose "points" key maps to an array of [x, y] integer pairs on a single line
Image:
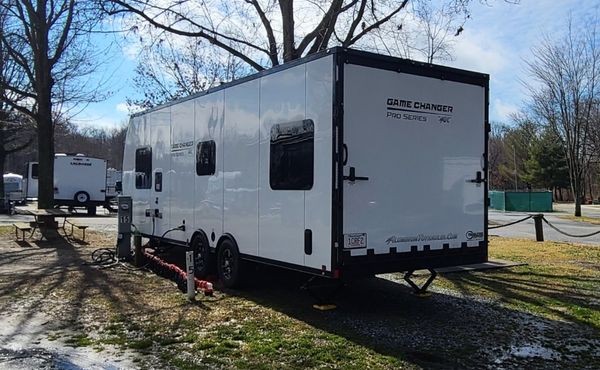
{"points": [[414, 175]]}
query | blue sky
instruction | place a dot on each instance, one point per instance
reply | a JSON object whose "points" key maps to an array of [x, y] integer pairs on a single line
{"points": [[496, 40]]}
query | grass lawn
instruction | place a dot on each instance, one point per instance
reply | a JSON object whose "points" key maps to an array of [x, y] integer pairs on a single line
{"points": [[544, 314], [589, 220]]}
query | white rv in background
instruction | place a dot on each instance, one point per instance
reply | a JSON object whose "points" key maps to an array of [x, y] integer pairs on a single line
{"points": [[13, 187], [79, 181], [341, 163], [113, 183]]}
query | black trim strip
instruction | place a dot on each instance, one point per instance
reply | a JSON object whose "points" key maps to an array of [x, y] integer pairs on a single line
{"points": [[415, 68], [337, 221], [370, 264], [286, 265], [486, 130]]}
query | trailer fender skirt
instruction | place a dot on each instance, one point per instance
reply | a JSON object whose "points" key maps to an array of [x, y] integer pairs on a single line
{"points": [[175, 273]]}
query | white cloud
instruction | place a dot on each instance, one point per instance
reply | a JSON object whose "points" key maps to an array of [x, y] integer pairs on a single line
{"points": [[502, 110], [480, 52], [122, 108]]}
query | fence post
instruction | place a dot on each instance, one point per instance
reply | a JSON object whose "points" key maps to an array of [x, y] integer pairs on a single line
{"points": [[138, 257], [539, 229]]}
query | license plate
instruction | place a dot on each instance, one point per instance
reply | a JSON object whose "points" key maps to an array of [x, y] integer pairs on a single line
{"points": [[355, 241]]}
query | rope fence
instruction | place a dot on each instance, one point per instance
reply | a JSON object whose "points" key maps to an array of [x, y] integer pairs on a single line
{"points": [[510, 223], [539, 232]]}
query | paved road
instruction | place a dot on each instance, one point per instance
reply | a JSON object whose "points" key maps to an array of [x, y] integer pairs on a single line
{"points": [[526, 229], [103, 221], [108, 222]]}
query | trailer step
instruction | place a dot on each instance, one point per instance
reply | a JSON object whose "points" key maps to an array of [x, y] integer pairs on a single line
{"points": [[422, 290]]}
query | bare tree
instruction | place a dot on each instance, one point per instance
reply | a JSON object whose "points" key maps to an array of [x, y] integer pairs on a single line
{"points": [[15, 129], [174, 67], [266, 33], [47, 40], [567, 73]]}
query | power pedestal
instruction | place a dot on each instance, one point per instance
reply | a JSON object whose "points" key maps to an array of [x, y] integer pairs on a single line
{"points": [[124, 228]]}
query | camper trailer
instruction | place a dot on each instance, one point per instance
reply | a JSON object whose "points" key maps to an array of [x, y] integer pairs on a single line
{"points": [[113, 183], [13, 188], [79, 181], [339, 164]]}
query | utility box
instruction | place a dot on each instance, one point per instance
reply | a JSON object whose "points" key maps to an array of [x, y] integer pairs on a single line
{"points": [[124, 227], [522, 201]]}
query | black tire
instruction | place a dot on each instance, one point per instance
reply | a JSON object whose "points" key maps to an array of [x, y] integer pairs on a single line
{"points": [[229, 264], [91, 210], [203, 260], [81, 197]]}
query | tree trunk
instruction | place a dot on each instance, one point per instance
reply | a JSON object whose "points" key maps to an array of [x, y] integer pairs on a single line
{"points": [[46, 162], [578, 188], [2, 160]]}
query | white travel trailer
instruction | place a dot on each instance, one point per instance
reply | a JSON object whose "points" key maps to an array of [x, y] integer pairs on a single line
{"points": [[79, 181], [341, 163], [13, 187], [113, 183]]}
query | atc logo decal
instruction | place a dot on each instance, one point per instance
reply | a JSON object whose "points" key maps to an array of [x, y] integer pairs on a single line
{"points": [[474, 235]]}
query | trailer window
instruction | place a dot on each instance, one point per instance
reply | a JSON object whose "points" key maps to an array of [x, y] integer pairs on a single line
{"points": [[206, 151], [158, 182], [292, 155], [34, 170], [143, 168]]}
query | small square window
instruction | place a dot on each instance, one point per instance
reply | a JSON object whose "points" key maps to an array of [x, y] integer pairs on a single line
{"points": [[206, 152], [34, 170]]}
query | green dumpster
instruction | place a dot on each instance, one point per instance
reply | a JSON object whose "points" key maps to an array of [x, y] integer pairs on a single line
{"points": [[523, 201]]}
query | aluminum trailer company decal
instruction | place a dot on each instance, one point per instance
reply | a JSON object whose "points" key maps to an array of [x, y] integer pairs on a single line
{"points": [[420, 238], [419, 111]]}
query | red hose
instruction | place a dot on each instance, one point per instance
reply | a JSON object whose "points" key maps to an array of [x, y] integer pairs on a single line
{"points": [[203, 286]]}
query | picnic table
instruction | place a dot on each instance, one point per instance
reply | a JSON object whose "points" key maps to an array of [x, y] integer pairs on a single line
{"points": [[46, 218], [46, 221]]}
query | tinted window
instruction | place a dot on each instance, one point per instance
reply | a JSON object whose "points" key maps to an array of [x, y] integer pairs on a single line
{"points": [[34, 170], [206, 151], [143, 168], [292, 156]]}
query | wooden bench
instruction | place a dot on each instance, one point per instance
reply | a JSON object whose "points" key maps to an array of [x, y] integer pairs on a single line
{"points": [[22, 227], [74, 225]]}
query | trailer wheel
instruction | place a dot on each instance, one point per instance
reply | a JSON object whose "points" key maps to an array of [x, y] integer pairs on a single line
{"points": [[229, 264], [82, 197], [203, 260]]}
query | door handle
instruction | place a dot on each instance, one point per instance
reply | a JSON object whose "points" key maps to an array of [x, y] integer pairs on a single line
{"points": [[478, 178], [352, 176]]}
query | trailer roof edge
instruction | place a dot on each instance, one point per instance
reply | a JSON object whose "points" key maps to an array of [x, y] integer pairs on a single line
{"points": [[353, 55]]}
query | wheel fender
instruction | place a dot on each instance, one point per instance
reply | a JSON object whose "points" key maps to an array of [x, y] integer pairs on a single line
{"points": [[224, 237], [199, 234]]}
